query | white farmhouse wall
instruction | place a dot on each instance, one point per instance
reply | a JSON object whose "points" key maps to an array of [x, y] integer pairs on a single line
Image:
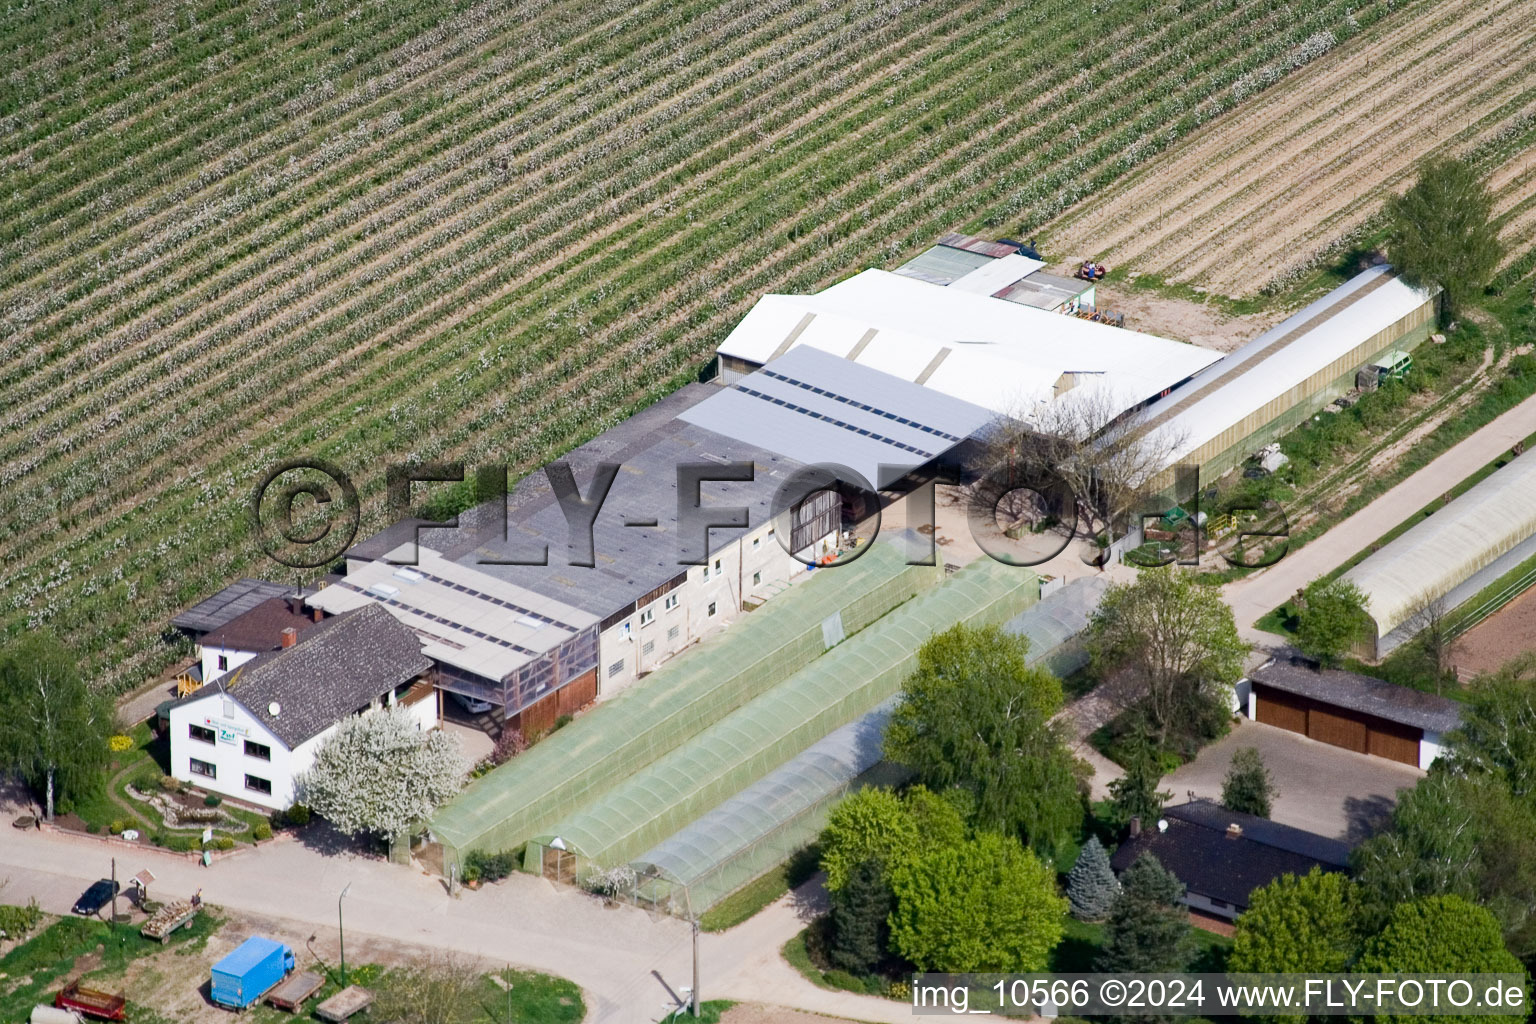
{"points": [[233, 659], [1206, 905], [1430, 747], [233, 724], [751, 568]]}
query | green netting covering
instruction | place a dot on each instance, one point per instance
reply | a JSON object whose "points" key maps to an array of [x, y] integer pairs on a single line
{"points": [[611, 742], [848, 681]]}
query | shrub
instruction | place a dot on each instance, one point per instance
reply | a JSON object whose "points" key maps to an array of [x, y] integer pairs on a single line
{"points": [[117, 826], [223, 843], [562, 721], [212, 800], [17, 921], [146, 780], [489, 867], [262, 830], [92, 827], [298, 815], [509, 744], [170, 784], [843, 980], [119, 743]]}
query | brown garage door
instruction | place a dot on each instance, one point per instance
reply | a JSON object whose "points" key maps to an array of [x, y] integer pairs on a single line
{"points": [[1337, 727], [1393, 741], [1282, 710]]}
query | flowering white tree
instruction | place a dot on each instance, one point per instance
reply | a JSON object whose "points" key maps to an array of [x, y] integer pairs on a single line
{"points": [[378, 773]]}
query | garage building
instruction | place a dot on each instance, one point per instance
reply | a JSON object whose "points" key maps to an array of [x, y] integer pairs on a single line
{"points": [[1352, 711]]}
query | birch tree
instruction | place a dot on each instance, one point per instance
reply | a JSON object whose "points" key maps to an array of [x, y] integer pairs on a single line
{"points": [[379, 774], [53, 728]]}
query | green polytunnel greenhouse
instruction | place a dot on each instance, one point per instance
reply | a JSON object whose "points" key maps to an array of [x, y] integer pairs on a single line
{"points": [[848, 681], [1054, 626], [764, 824], [611, 742]]}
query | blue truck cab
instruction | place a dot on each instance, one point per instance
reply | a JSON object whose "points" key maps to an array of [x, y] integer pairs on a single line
{"points": [[247, 974]]}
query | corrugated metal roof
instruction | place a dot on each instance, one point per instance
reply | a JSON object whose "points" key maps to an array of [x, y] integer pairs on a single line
{"points": [[814, 407], [997, 275], [944, 264], [1005, 357], [228, 604], [1282, 357], [1362, 693]]}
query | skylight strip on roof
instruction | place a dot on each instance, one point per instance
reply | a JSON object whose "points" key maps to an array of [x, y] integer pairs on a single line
{"points": [[860, 405], [440, 620], [836, 422]]}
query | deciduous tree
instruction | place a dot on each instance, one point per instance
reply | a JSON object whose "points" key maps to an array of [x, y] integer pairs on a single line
{"points": [[53, 728], [1442, 232], [987, 904], [1498, 727], [869, 826], [1176, 636], [1293, 925], [1439, 935], [1332, 619], [975, 716], [379, 774]]}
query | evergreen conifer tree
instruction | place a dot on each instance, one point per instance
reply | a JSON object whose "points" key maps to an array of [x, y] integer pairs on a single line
{"points": [[1091, 884]]}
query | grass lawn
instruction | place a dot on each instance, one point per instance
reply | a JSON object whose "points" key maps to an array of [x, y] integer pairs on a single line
{"points": [[761, 891], [149, 757], [32, 972], [1081, 942]]}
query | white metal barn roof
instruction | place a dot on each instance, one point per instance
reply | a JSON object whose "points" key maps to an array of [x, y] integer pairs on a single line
{"points": [[814, 407], [1264, 369], [1000, 355], [1429, 560], [997, 275]]}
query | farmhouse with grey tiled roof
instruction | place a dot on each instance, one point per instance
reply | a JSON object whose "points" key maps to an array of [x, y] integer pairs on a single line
{"points": [[249, 733]]}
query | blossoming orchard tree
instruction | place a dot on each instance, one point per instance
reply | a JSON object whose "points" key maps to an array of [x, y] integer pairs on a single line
{"points": [[378, 774]]}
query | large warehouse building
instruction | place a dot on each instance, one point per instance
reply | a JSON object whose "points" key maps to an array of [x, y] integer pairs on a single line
{"points": [[1005, 356], [1275, 382], [1452, 555]]}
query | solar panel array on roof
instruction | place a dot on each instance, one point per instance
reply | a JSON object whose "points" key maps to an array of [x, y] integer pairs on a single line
{"points": [[814, 407]]}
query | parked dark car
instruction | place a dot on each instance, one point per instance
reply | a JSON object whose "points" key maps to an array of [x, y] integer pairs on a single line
{"points": [[97, 896]]}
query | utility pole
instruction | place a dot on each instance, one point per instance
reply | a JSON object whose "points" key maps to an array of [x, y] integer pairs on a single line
{"points": [[341, 935], [694, 920]]}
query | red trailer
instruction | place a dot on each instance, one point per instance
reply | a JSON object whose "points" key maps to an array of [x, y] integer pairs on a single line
{"points": [[101, 1005]]}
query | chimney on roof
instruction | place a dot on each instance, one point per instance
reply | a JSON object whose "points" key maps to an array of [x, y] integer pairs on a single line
{"points": [[295, 603], [290, 637], [317, 614], [1135, 826], [1234, 831]]}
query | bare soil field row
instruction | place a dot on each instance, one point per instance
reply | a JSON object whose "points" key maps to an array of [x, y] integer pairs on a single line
{"points": [[1260, 194], [1501, 636]]}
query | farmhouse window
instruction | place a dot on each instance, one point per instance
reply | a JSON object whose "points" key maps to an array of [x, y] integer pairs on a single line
{"points": [[711, 608], [258, 784], [204, 768], [223, 662], [259, 751], [201, 733]]}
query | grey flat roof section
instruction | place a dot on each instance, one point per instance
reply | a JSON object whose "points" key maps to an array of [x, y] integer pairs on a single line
{"points": [[1261, 830], [1363, 694], [815, 407], [943, 264], [631, 561], [235, 600]]}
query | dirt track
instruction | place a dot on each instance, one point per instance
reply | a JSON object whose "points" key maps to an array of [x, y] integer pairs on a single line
{"points": [[1259, 193]]}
